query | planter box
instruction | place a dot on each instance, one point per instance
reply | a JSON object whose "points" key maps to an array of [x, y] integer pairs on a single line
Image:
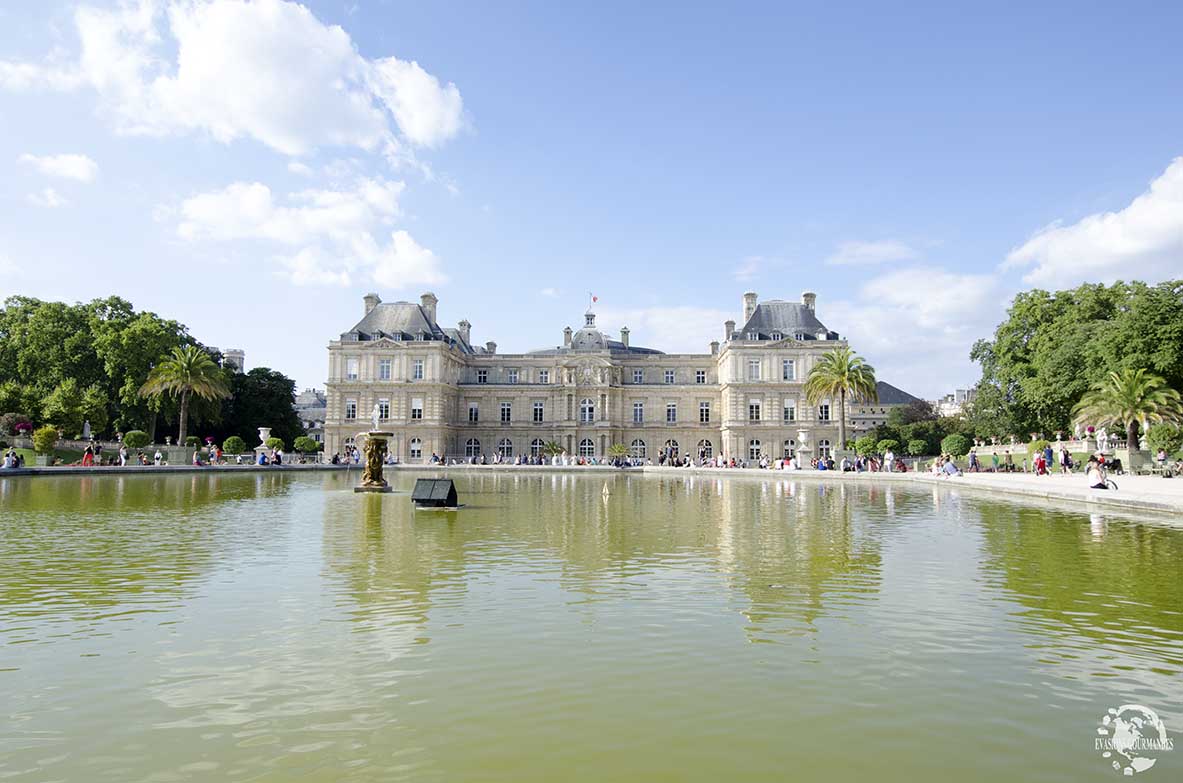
{"points": [[42, 460]]}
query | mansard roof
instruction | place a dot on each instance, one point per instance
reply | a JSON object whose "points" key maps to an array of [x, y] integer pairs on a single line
{"points": [[890, 395], [787, 319], [403, 321]]}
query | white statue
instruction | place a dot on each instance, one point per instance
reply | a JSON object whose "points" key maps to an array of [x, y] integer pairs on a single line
{"points": [[1102, 440], [376, 415]]}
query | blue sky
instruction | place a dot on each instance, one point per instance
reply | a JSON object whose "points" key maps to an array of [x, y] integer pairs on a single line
{"points": [[253, 169]]}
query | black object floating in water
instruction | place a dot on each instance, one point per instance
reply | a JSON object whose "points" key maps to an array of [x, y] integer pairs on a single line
{"points": [[434, 493]]}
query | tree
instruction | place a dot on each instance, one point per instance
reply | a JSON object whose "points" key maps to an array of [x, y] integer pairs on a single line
{"points": [[63, 408], [917, 448], [915, 411], [234, 445], [45, 439], [304, 445], [887, 445], [956, 445], [1130, 398], [260, 398], [865, 446], [135, 439], [188, 372], [837, 373], [552, 448], [1168, 437], [274, 443]]}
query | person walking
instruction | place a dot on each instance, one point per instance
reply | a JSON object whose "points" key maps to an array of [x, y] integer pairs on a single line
{"points": [[1065, 461], [88, 456]]}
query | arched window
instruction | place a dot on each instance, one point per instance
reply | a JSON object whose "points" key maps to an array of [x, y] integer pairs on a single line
{"points": [[472, 448], [637, 449], [416, 449], [587, 410], [671, 448], [705, 449], [505, 447], [753, 449], [790, 447], [349, 441], [587, 448], [536, 447], [823, 448]]}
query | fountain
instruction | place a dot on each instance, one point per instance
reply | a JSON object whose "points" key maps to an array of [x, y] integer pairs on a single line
{"points": [[375, 454]]}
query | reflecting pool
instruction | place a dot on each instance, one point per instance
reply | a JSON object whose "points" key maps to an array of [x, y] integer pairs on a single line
{"points": [[566, 626]]}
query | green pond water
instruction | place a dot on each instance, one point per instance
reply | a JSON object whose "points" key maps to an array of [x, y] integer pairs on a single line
{"points": [[275, 627]]}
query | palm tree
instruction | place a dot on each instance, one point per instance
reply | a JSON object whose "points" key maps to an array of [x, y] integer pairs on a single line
{"points": [[1129, 398], [618, 451], [836, 374], [187, 372], [552, 448]]}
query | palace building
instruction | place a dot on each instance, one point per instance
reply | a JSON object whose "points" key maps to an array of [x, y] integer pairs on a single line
{"points": [[440, 393]]}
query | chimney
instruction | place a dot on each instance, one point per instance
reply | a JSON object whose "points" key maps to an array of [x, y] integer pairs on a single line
{"points": [[372, 301], [567, 337], [491, 347], [749, 305], [728, 329], [465, 329], [714, 347], [809, 299], [428, 303], [624, 335]]}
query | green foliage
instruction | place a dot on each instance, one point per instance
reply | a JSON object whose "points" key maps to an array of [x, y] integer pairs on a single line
{"points": [[1054, 346], [552, 448], [274, 443], [917, 447], [306, 445], [188, 373], [865, 446], [234, 445], [1130, 398], [192, 441], [44, 439], [260, 398], [135, 439], [837, 374], [10, 421], [955, 444], [913, 412], [1037, 445], [63, 408], [618, 450], [888, 444], [1168, 437]]}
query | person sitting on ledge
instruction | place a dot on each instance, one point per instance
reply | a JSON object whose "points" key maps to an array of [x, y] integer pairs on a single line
{"points": [[1095, 474], [262, 458], [950, 468]]}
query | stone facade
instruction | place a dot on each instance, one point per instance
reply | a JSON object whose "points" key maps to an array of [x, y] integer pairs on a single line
{"points": [[440, 393]]}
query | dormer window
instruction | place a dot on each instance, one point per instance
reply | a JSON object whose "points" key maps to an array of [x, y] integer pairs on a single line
{"points": [[799, 336], [753, 335], [777, 335], [397, 337]]}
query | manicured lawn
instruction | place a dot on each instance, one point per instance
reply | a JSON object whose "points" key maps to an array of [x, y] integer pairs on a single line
{"points": [[67, 456]]}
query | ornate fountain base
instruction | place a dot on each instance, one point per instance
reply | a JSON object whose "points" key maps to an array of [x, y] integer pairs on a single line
{"points": [[375, 457]]}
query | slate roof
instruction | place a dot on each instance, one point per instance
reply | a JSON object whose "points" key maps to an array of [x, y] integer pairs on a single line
{"points": [[890, 395], [403, 321], [787, 319]]}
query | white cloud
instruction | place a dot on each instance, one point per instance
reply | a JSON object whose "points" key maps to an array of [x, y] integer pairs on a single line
{"points": [[749, 268], [549, 292], [685, 329], [76, 167], [875, 252], [403, 262], [267, 70], [48, 198], [296, 167], [1143, 240]]}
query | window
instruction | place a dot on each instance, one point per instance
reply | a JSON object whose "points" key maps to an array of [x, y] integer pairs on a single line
{"points": [[472, 448], [638, 376], [506, 412], [538, 408], [799, 336], [753, 369], [669, 376], [671, 412], [753, 449], [474, 412], [671, 448], [788, 370], [416, 450], [383, 409], [511, 376], [823, 413], [638, 413], [790, 446], [823, 448], [790, 414], [417, 370], [351, 369], [753, 410], [417, 408], [587, 410], [700, 376], [587, 448], [505, 447], [350, 410], [482, 376], [384, 369], [705, 449], [544, 376], [637, 449], [753, 335], [536, 447], [775, 336], [704, 413]]}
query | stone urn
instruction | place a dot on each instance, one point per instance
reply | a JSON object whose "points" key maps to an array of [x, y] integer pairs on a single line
{"points": [[264, 434]]}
